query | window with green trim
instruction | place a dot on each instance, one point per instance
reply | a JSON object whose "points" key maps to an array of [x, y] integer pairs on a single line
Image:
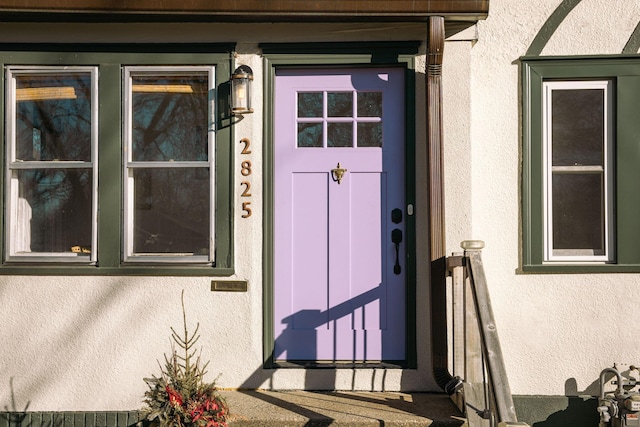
{"points": [[116, 162], [581, 164]]}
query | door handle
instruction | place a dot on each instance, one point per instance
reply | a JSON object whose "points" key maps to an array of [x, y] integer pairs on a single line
{"points": [[396, 238]]}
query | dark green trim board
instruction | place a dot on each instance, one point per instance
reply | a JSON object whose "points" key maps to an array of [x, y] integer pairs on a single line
{"points": [[338, 55], [110, 60], [69, 419], [624, 72]]}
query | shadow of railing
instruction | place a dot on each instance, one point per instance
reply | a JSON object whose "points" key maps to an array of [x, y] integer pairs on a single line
{"points": [[300, 336]]}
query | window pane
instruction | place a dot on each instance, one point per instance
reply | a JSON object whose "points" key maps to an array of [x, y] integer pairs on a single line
{"points": [[339, 104], [339, 134], [578, 127], [369, 104], [171, 211], [370, 134], [53, 209], [170, 117], [309, 135], [310, 104], [578, 212], [53, 116]]}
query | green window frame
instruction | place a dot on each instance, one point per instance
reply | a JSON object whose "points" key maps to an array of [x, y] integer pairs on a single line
{"points": [[108, 248], [614, 174]]}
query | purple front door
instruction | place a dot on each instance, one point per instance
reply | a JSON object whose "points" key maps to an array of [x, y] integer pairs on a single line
{"points": [[339, 215]]}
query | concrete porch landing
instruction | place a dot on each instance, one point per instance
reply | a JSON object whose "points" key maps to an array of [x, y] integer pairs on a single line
{"points": [[340, 409]]}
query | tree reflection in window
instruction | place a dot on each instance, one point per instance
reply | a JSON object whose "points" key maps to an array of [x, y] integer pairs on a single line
{"points": [[339, 120], [170, 169], [53, 206]]}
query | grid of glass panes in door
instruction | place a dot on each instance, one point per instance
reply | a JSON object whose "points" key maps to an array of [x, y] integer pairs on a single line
{"points": [[339, 119]]}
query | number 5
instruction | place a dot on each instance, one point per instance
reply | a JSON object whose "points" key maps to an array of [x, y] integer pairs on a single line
{"points": [[246, 209]]}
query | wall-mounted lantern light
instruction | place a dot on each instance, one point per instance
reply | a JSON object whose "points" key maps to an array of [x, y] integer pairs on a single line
{"points": [[241, 82]]}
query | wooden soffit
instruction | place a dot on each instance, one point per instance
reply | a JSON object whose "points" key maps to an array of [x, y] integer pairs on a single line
{"points": [[244, 10]]}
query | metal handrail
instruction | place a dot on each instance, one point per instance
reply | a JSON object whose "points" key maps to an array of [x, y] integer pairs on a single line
{"points": [[474, 334]]}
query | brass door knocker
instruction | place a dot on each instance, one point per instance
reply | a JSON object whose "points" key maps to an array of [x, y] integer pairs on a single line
{"points": [[338, 173]]}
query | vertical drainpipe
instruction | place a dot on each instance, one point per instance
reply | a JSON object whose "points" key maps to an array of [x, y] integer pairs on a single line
{"points": [[435, 164]]}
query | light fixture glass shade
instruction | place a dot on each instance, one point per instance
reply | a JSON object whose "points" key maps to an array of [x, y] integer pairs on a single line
{"points": [[241, 82]]}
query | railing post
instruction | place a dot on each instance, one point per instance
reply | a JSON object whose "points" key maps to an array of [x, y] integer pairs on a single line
{"points": [[491, 344]]}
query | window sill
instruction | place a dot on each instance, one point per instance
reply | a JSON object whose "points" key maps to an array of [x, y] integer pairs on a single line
{"points": [[578, 268]]}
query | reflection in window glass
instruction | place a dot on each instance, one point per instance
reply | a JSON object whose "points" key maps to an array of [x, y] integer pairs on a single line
{"points": [[369, 104], [340, 104], [168, 196], [171, 211], [578, 212], [170, 117], [310, 135], [310, 104], [52, 186], [370, 134], [345, 126], [54, 211], [339, 135], [53, 116], [578, 127]]}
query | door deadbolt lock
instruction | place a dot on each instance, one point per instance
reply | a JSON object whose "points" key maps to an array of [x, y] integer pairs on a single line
{"points": [[396, 216]]}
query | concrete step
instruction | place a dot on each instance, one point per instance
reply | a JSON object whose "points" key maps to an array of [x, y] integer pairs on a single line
{"points": [[340, 409]]}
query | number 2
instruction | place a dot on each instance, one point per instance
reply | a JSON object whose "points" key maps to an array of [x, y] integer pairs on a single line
{"points": [[247, 144], [247, 189]]}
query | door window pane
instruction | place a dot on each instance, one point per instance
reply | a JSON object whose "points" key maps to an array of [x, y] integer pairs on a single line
{"points": [[344, 126], [310, 135], [339, 135], [369, 104], [340, 104], [310, 104], [370, 134]]}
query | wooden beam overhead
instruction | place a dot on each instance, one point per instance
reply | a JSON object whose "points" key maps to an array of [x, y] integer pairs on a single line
{"points": [[272, 9]]}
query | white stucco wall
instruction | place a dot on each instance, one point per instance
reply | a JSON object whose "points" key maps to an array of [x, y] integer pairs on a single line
{"points": [[557, 331], [86, 343]]}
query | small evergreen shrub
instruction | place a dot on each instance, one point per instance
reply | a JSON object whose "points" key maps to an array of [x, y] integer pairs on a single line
{"points": [[180, 396]]}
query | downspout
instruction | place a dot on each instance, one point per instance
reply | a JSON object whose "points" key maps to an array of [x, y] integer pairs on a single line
{"points": [[435, 164]]}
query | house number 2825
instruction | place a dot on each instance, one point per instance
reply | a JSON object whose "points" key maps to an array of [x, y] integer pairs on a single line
{"points": [[246, 171]]}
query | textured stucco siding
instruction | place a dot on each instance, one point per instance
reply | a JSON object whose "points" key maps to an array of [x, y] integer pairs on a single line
{"points": [[557, 331], [85, 343]]}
